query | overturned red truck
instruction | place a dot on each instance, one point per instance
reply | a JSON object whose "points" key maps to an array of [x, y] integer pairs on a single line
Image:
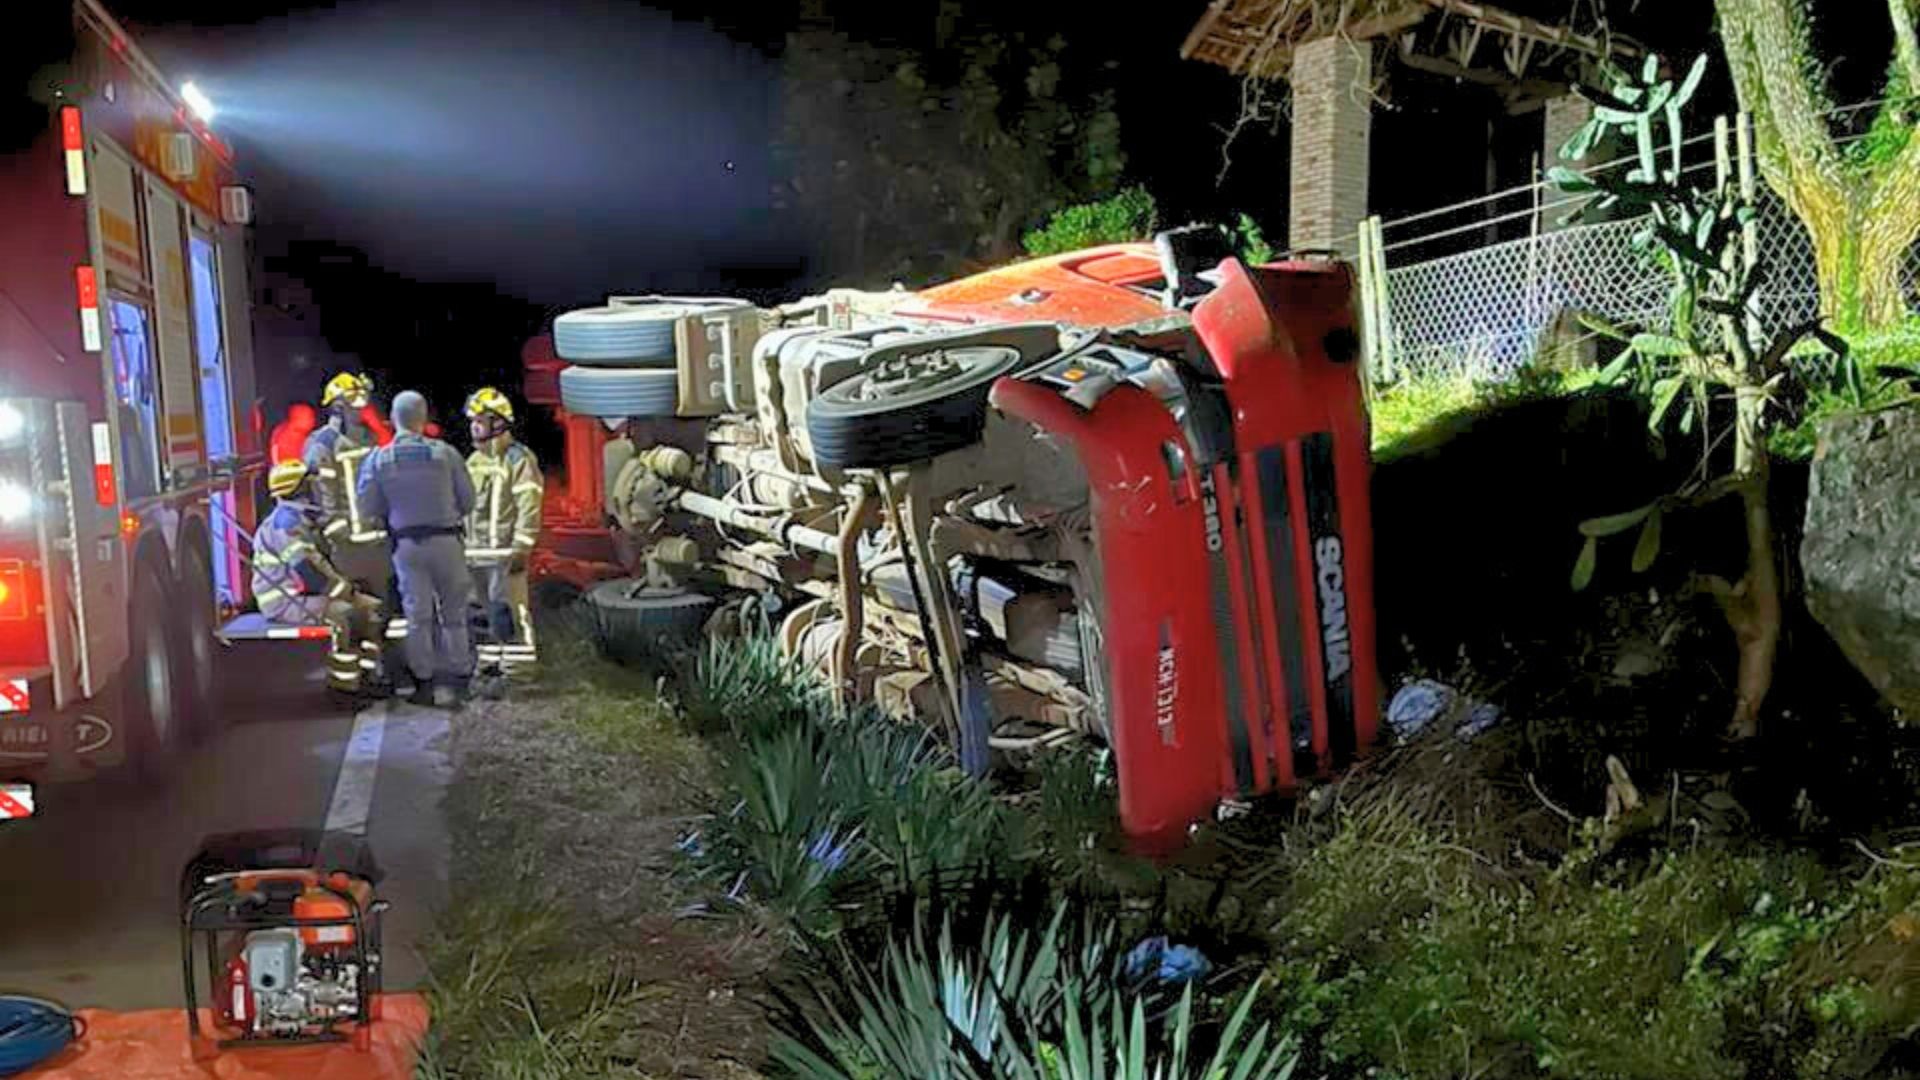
{"points": [[1121, 492]]}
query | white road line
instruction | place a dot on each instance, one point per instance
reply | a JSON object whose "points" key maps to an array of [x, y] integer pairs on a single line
{"points": [[359, 767]]}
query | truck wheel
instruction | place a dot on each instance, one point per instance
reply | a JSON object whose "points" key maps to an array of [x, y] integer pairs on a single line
{"points": [[151, 722], [620, 336], [197, 651], [631, 622], [619, 392], [907, 409]]}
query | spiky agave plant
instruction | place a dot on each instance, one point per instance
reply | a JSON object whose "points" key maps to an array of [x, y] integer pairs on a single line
{"points": [[746, 686], [1004, 1000]]}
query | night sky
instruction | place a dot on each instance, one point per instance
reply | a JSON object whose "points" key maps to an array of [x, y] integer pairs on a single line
{"points": [[435, 178]]}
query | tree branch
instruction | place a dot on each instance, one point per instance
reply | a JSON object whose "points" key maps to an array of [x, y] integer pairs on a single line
{"points": [[1906, 46], [1765, 40]]}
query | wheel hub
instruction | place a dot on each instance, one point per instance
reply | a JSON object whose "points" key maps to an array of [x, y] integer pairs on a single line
{"points": [[915, 372]]}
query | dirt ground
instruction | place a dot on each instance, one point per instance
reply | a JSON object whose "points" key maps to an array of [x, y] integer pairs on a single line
{"points": [[569, 949]]}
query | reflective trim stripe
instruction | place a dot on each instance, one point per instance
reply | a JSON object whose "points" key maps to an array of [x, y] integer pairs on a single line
{"points": [[268, 595], [336, 525], [329, 472], [369, 665], [339, 589], [489, 553], [266, 558], [527, 486], [523, 538], [347, 657]]}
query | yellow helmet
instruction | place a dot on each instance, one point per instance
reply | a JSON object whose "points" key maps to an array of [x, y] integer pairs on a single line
{"points": [[488, 400], [354, 387], [285, 478]]}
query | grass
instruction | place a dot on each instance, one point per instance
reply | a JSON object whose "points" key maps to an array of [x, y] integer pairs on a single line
{"points": [[1886, 366], [868, 912], [559, 954], [1423, 411]]}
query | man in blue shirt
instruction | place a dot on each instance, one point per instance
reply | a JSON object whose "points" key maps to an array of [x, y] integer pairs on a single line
{"points": [[420, 488]]}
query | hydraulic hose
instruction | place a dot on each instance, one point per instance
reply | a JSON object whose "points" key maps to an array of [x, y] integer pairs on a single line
{"points": [[33, 1031]]}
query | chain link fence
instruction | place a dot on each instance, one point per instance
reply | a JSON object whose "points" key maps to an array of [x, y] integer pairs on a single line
{"points": [[1488, 312]]}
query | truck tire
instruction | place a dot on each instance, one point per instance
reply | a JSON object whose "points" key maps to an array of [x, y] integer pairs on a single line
{"points": [[909, 409], [641, 336], [616, 393], [151, 720], [631, 622], [198, 651]]}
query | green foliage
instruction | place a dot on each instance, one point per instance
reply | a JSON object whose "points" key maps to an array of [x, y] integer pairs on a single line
{"points": [[1712, 344], [1423, 410], [1004, 1000], [830, 807], [1130, 214], [1402, 949], [1880, 370], [1252, 241], [918, 160]]}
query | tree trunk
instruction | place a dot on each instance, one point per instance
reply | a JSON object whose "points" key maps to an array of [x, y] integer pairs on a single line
{"points": [[1753, 609], [1860, 250]]}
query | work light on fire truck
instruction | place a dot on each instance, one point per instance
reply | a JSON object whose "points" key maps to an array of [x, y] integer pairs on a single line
{"points": [[16, 503]]}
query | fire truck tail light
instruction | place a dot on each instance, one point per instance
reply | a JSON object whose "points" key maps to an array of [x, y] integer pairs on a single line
{"points": [[13, 591], [73, 141], [129, 525]]}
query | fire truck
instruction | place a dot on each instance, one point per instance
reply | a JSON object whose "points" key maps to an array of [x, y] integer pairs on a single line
{"points": [[128, 452]]}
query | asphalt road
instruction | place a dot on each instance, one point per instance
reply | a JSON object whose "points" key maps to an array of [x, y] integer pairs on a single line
{"points": [[89, 889]]}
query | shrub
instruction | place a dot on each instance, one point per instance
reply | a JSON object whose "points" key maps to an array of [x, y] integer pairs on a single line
{"points": [[1001, 999], [1129, 215]]}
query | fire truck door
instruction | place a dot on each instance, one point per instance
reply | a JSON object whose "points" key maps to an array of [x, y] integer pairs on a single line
{"points": [[210, 353], [181, 436]]}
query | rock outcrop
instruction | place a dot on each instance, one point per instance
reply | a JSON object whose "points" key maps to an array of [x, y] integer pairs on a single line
{"points": [[1861, 552]]}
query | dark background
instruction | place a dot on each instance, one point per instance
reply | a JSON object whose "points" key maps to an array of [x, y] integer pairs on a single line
{"points": [[436, 178]]}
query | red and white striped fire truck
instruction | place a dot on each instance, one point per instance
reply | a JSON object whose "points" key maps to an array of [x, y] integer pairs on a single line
{"points": [[128, 444]]}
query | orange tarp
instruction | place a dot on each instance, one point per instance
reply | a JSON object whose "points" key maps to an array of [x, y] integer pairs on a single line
{"points": [[153, 1045]]}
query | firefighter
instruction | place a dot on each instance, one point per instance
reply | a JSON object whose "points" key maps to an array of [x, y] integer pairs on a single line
{"points": [[502, 528], [420, 489], [336, 453], [294, 582]]}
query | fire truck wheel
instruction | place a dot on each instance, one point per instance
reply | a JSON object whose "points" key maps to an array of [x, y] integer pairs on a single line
{"points": [[197, 649], [631, 622], [151, 722], [640, 336], [907, 409], [619, 392]]}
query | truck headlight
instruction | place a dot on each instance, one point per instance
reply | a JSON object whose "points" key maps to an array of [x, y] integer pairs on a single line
{"points": [[16, 502], [12, 423]]}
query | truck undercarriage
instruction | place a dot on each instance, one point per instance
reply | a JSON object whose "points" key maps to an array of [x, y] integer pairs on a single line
{"points": [[1152, 532]]}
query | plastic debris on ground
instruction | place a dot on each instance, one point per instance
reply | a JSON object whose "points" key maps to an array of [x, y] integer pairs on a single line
{"points": [[1424, 703], [1168, 964]]}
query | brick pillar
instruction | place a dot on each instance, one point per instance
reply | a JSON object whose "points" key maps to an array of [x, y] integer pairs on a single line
{"points": [[1564, 116], [1332, 118]]}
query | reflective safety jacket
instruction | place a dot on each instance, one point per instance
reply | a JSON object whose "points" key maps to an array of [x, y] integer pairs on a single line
{"points": [[507, 491], [289, 565], [336, 458]]}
